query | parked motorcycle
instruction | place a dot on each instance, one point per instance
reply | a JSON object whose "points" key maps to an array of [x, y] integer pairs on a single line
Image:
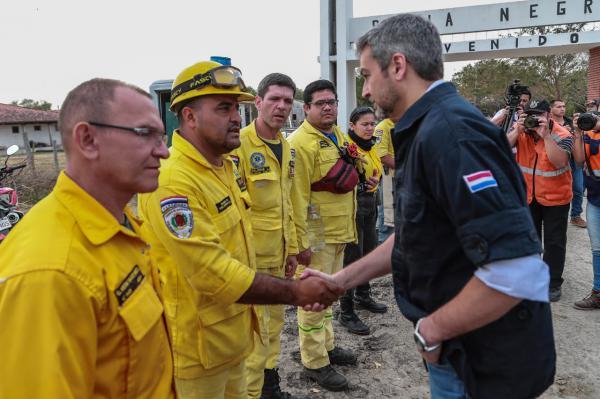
{"points": [[9, 211]]}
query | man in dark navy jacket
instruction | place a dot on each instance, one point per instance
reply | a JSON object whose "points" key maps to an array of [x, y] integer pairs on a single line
{"points": [[465, 256]]}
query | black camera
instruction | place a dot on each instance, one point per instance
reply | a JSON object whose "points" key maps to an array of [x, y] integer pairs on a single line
{"points": [[513, 93], [531, 122], [588, 120]]}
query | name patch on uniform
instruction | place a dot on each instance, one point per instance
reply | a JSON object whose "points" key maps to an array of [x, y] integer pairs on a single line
{"points": [[324, 144], [223, 204], [292, 162], [178, 216], [480, 181], [129, 285]]}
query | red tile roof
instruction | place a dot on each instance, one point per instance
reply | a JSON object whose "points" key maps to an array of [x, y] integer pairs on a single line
{"points": [[14, 115]]}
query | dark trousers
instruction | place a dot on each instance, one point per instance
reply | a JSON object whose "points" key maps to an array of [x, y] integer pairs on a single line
{"points": [[554, 220], [366, 220]]}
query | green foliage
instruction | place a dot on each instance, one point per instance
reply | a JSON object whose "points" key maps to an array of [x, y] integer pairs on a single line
{"points": [[251, 90], [360, 100], [29, 103], [299, 94], [549, 77]]}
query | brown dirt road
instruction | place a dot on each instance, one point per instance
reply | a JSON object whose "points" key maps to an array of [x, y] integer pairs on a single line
{"points": [[389, 366]]}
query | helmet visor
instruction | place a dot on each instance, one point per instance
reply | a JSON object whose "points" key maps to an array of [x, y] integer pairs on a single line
{"points": [[225, 76]]}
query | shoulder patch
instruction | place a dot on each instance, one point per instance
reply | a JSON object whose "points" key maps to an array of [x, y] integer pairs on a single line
{"points": [[480, 181], [178, 216], [129, 285]]}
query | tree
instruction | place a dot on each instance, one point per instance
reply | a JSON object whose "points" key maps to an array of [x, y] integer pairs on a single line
{"points": [[251, 90], [29, 103], [550, 77], [299, 94]]}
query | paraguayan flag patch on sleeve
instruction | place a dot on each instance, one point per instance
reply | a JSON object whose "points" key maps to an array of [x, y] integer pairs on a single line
{"points": [[480, 181], [178, 216]]}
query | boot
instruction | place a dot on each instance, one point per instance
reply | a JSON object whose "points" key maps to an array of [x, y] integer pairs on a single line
{"points": [[328, 378], [590, 302], [363, 300], [341, 357], [271, 389], [349, 319]]}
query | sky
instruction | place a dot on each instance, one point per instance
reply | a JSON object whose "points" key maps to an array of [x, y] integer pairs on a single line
{"points": [[47, 47]]}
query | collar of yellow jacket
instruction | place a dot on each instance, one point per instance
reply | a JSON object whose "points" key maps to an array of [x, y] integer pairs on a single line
{"points": [[336, 129], [180, 144], [94, 220], [253, 135]]}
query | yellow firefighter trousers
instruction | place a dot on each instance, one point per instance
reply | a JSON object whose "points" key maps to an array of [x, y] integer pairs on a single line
{"points": [[228, 384], [315, 329], [267, 347]]}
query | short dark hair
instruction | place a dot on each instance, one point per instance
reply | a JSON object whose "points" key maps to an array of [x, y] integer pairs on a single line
{"points": [[91, 100], [411, 35], [317, 85], [526, 91], [360, 111], [553, 102], [275, 79]]}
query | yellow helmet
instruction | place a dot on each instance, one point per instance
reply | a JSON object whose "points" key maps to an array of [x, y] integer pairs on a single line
{"points": [[208, 77]]}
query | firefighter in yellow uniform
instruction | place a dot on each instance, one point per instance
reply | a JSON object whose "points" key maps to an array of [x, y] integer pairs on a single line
{"points": [[385, 150], [384, 145], [315, 143], [201, 237], [80, 306], [266, 164]]}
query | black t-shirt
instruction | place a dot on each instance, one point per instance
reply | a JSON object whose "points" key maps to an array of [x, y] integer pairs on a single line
{"points": [[277, 149]]}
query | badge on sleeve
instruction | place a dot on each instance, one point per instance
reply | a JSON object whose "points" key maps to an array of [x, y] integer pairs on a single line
{"points": [[480, 181], [236, 160], [178, 216]]}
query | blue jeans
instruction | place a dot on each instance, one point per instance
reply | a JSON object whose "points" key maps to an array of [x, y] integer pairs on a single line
{"points": [[444, 382], [577, 202], [593, 220]]}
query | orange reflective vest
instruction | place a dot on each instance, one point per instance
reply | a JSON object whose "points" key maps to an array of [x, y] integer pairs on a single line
{"points": [[594, 159], [551, 186]]}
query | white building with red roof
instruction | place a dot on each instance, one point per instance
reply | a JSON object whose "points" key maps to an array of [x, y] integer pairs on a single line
{"points": [[39, 126]]}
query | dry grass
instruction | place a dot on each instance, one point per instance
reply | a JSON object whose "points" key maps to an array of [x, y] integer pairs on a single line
{"points": [[33, 186]]}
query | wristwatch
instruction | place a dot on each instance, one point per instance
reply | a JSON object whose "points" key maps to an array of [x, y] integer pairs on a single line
{"points": [[421, 343]]}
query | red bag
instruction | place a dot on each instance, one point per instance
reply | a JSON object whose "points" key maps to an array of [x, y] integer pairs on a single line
{"points": [[341, 179]]}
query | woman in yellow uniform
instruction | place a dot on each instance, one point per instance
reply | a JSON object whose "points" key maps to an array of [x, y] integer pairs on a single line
{"points": [[362, 126]]}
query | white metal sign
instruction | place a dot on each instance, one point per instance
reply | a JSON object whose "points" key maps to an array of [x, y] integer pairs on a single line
{"points": [[500, 16]]}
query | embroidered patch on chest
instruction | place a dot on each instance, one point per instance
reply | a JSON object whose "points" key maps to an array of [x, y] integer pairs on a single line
{"points": [[129, 285], [480, 181], [257, 160], [324, 144], [178, 216]]}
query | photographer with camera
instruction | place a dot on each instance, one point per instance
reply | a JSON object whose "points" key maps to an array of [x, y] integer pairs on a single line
{"points": [[543, 150], [585, 152], [517, 97]]}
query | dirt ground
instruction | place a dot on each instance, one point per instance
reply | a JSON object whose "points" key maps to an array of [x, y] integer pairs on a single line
{"points": [[389, 366]]}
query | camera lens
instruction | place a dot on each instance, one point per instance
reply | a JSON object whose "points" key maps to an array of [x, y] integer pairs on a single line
{"points": [[586, 121], [531, 122]]}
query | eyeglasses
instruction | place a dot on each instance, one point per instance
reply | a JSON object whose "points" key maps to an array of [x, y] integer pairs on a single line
{"points": [[322, 103], [147, 133], [225, 76]]}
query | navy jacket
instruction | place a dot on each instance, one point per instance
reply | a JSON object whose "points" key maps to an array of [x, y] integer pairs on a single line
{"points": [[460, 204]]}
